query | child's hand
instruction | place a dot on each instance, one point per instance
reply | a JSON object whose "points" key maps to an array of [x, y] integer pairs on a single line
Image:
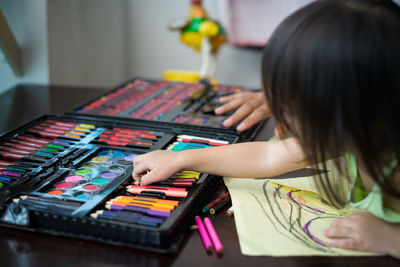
{"points": [[251, 107], [155, 166], [365, 232]]}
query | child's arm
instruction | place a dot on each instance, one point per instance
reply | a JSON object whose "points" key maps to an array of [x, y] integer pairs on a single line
{"points": [[255, 159], [365, 232]]}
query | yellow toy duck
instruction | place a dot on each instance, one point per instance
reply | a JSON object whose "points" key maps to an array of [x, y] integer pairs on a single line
{"points": [[203, 35]]}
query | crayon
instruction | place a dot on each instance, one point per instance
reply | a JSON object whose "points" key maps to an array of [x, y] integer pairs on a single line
{"points": [[207, 207], [135, 189], [220, 205], [164, 201], [213, 235], [139, 201], [141, 205], [203, 234], [138, 209]]}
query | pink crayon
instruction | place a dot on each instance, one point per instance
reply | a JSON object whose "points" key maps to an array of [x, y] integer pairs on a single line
{"points": [[213, 235], [203, 234]]}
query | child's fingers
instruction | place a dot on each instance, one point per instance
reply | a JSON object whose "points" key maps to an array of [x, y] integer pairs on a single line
{"points": [[151, 177], [231, 105], [341, 228], [225, 99], [347, 243], [338, 232], [242, 112], [139, 170], [254, 117]]}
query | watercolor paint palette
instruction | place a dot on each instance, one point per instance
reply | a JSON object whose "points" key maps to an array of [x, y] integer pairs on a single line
{"points": [[70, 175], [93, 176], [159, 100]]}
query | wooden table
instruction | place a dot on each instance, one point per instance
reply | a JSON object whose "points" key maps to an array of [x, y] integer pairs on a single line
{"points": [[21, 248]]}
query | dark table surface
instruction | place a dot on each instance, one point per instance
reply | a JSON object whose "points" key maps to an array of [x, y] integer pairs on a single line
{"points": [[21, 248]]}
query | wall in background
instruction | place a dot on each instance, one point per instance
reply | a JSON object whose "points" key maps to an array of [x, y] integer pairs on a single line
{"points": [[28, 22], [103, 43]]}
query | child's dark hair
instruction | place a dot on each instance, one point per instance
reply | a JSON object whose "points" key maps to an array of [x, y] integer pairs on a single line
{"points": [[331, 74]]}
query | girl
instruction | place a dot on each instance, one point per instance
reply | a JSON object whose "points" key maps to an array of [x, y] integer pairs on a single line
{"points": [[331, 74]]}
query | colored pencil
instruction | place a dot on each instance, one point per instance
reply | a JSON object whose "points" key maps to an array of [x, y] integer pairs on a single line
{"points": [[220, 205], [207, 207]]}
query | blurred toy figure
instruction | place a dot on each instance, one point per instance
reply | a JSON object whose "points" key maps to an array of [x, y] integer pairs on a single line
{"points": [[203, 35]]}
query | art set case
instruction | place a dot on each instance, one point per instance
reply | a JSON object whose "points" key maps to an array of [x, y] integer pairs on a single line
{"points": [[47, 176]]}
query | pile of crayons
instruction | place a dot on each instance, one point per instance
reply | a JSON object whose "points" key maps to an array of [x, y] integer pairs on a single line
{"points": [[142, 210], [123, 98], [122, 137], [172, 97]]}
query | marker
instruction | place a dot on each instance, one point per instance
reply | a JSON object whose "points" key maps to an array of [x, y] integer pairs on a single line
{"points": [[213, 235], [214, 202], [203, 234]]}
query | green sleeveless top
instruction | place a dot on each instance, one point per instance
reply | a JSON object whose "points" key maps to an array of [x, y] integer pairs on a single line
{"points": [[372, 201]]}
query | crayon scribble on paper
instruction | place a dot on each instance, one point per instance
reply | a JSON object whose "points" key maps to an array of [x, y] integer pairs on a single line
{"points": [[285, 219]]}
